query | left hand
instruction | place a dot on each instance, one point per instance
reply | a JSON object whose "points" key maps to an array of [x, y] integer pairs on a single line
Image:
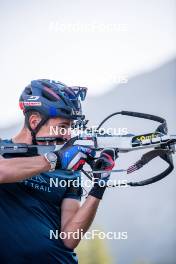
{"points": [[105, 162]]}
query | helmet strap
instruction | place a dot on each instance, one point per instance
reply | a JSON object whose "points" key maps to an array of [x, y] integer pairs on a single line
{"points": [[34, 131]]}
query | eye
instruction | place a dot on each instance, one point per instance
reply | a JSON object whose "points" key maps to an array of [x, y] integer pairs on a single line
{"points": [[64, 126]]}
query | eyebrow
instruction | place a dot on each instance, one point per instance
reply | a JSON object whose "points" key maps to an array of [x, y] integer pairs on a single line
{"points": [[64, 123]]}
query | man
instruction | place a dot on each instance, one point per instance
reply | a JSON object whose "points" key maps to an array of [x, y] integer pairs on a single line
{"points": [[29, 207]]}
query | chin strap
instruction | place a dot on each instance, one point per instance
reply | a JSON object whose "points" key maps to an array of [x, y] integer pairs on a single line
{"points": [[34, 131]]}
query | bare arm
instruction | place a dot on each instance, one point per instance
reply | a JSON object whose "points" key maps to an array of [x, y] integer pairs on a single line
{"points": [[16, 169], [76, 218]]}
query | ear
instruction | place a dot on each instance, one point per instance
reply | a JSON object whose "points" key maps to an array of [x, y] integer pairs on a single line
{"points": [[34, 120]]}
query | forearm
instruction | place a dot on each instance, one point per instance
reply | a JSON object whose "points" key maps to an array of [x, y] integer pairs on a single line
{"points": [[81, 220], [16, 169]]}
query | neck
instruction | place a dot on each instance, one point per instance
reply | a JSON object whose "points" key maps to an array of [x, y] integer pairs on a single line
{"points": [[24, 136]]}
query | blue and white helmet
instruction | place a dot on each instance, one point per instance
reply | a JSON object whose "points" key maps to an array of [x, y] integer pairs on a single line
{"points": [[52, 99]]}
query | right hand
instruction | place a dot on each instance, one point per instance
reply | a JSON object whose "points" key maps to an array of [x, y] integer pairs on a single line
{"points": [[73, 157], [105, 162]]}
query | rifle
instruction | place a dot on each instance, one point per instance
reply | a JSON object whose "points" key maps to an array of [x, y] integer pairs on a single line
{"points": [[162, 145]]}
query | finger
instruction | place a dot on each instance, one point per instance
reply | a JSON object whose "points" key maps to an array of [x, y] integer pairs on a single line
{"points": [[111, 152], [79, 156], [91, 161], [88, 151], [104, 163], [98, 164], [79, 164]]}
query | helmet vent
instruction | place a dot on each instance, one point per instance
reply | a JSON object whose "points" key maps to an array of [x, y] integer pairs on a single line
{"points": [[50, 95], [28, 90]]}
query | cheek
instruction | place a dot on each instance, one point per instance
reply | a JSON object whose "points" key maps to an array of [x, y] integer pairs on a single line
{"points": [[44, 131], [67, 136], [47, 130]]}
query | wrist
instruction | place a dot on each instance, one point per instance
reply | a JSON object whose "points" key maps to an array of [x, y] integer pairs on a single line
{"points": [[45, 163], [97, 191], [51, 158]]}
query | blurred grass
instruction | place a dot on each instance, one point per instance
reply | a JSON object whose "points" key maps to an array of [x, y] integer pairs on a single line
{"points": [[93, 251]]}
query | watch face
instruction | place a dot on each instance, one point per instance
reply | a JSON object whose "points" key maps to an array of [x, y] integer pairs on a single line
{"points": [[52, 156]]}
